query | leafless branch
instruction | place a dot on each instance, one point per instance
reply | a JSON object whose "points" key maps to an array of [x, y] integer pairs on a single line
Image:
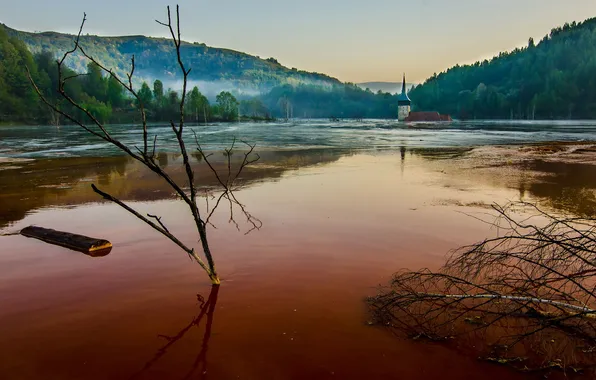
{"points": [[148, 158], [159, 221], [530, 286]]}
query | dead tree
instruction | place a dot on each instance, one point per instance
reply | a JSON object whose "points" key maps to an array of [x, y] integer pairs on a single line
{"points": [[146, 154], [526, 297]]}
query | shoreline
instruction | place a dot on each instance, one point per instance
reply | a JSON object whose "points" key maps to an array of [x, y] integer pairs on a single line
{"points": [[242, 119]]}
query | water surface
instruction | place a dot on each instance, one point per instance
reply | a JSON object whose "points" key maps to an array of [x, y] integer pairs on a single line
{"points": [[47, 141], [342, 206]]}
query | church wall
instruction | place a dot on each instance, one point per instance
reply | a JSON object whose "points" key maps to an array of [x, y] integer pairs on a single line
{"points": [[403, 112]]}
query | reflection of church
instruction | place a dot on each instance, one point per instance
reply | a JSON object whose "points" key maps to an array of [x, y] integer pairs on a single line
{"points": [[404, 109]]}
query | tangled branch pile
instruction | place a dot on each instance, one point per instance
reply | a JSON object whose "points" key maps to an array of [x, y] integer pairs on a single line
{"points": [[525, 297]]}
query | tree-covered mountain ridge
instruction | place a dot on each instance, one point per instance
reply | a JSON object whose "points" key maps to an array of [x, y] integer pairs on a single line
{"points": [[555, 78], [155, 59]]}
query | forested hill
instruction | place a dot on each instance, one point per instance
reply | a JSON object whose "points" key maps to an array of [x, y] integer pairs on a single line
{"points": [[155, 59], [555, 78], [291, 93]]}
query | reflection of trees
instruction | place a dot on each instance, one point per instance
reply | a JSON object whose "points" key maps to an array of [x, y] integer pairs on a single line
{"points": [[48, 182], [441, 153], [566, 186], [199, 366], [563, 185], [65, 181], [162, 159]]}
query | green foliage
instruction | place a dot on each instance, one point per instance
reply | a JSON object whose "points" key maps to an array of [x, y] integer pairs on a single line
{"points": [[254, 108], [158, 90], [145, 95], [197, 106], [227, 106], [171, 110], [95, 83], [19, 101], [115, 93], [552, 79], [17, 98], [341, 101], [99, 110]]}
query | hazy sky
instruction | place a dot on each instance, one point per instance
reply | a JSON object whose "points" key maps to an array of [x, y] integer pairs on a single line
{"points": [[354, 40]]}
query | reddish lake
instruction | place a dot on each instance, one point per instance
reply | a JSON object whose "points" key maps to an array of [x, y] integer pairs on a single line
{"points": [[291, 302]]}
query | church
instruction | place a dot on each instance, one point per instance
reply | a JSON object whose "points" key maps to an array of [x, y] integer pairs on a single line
{"points": [[404, 112], [403, 103]]}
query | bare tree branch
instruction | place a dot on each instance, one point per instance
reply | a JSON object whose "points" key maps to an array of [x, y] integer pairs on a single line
{"points": [[148, 158], [531, 285]]}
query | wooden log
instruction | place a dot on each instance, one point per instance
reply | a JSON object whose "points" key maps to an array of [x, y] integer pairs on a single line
{"points": [[91, 246]]}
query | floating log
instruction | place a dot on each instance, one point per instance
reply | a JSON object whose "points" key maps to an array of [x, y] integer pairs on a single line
{"points": [[90, 246]]}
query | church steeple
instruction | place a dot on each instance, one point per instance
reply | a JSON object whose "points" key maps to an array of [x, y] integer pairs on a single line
{"points": [[403, 99], [403, 86], [403, 103]]}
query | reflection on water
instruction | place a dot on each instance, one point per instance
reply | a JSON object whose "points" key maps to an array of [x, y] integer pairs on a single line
{"points": [[99, 253], [292, 306], [198, 368], [43, 183], [36, 184], [566, 186], [441, 153]]}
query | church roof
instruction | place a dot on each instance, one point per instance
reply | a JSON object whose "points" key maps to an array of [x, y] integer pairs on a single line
{"points": [[403, 97]]}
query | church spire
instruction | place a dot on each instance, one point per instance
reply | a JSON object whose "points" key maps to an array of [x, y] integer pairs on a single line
{"points": [[403, 103], [403, 86]]}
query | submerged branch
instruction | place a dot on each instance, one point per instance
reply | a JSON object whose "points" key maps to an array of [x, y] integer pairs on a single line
{"points": [[533, 281]]}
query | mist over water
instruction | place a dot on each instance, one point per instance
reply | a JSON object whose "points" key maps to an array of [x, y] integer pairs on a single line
{"points": [[72, 141], [212, 88], [242, 88]]}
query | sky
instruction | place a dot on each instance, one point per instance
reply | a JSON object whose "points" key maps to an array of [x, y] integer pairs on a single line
{"points": [[353, 40]]}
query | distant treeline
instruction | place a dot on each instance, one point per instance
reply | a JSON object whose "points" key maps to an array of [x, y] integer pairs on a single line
{"points": [[555, 78], [339, 101]]}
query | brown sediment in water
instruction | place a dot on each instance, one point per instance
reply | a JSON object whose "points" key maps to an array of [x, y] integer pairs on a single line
{"points": [[291, 304]]}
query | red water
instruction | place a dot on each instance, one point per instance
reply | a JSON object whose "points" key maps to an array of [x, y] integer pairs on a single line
{"points": [[291, 305]]}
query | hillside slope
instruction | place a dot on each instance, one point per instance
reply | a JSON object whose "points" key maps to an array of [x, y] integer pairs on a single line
{"points": [[155, 59], [555, 78]]}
